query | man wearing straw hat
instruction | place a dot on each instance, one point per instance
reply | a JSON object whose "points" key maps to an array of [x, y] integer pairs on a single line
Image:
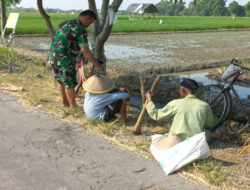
{"points": [[71, 39], [189, 116], [102, 100]]}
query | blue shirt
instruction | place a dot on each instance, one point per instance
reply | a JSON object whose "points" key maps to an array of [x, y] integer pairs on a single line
{"points": [[94, 104]]}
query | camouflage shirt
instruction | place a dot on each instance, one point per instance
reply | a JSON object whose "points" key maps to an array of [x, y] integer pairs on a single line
{"points": [[63, 55], [69, 38]]}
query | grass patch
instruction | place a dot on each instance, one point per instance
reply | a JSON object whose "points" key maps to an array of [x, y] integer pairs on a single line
{"points": [[209, 169], [33, 23], [213, 171], [41, 92]]}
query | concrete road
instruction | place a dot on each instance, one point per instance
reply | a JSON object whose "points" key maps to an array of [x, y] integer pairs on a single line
{"points": [[38, 152]]}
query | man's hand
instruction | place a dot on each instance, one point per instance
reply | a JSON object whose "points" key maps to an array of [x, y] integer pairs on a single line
{"points": [[100, 68], [149, 96], [87, 53], [125, 90]]}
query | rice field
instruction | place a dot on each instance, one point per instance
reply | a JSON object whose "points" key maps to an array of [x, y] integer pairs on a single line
{"points": [[33, 23]]}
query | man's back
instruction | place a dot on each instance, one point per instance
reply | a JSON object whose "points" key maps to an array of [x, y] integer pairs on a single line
{"points": [[94, 104], [69, 37], [189, 116]]}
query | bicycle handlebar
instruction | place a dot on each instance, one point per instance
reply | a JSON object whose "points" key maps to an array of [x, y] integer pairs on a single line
{"points": [[237, 63]]}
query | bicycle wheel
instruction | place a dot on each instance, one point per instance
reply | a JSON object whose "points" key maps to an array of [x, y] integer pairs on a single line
{"points": [[220, 102]]}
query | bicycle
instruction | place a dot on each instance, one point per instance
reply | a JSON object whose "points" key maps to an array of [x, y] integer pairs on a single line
{"points": [[219, 97]]}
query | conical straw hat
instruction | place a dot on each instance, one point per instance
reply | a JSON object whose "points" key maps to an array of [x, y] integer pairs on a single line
{"points": [[98, 84]]}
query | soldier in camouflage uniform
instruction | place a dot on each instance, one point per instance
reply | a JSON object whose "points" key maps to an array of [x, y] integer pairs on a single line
{"points": [[70, 39]]}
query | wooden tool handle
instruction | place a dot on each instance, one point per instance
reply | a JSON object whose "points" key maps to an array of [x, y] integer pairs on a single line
{"points": [[137, 127], [158, 78]]}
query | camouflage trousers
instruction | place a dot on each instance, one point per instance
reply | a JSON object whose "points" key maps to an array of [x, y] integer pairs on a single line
{"points": [[64, 71]]}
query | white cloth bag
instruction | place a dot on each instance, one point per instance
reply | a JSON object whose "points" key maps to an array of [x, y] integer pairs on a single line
{"points": [[172, 159], [230, 73]]}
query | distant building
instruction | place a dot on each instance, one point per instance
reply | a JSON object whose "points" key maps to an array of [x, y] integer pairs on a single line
{"points": [[141, 9]]}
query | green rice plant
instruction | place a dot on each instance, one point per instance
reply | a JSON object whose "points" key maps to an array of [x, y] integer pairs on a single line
{"points": [[177, 23], [33, 23]]}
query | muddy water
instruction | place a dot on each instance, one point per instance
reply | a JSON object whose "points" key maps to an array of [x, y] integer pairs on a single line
{"points": [[167, 89], [162, 53], [159, 51], [242, 91], [181, 49]]}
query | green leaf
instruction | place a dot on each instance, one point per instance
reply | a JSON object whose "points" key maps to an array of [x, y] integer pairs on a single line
{"points": [[175, 1]]}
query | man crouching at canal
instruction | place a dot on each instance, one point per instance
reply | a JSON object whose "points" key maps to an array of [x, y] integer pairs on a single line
{"points": [[189, 116], [103, 100]]}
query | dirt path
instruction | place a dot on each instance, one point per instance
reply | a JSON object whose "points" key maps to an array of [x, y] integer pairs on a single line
{"points": [[39, 152], [133, 52]]}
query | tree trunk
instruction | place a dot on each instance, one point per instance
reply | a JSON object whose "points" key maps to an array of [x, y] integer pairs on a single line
{"points": [[102, 28], [3, 17], [46, 18]]}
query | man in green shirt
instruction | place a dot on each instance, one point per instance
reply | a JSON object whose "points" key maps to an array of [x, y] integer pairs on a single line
{"points": [[189, 115]]}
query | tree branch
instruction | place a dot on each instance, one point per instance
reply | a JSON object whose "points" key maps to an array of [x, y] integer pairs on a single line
{"points": [[46, 18], [103, 36], [104, 12], [116, 4], [95, 27], [3, 18]]}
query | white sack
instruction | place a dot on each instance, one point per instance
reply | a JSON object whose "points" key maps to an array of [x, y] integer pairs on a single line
{"points": [[181, 154]]}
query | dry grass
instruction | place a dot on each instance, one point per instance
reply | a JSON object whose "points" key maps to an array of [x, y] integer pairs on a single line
{"points": [[40, 92], [217, 72]]}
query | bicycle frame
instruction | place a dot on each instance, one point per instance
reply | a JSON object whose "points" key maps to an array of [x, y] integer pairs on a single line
{"points": [[237, 97], [219, 95], [229, 86]]}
